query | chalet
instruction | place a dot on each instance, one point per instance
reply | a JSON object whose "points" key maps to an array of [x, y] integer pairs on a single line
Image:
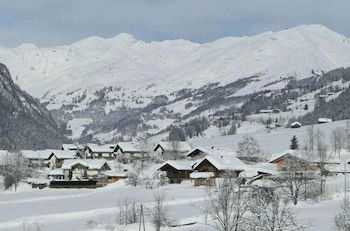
{"points": [[130, 149], [37, 158], [172, 149], [198, 153], [324, 120], [95, 151], [219, 166], [84, 169], [289, 159], [56, 174], [295, 125], [57, 157], [177, 170]]}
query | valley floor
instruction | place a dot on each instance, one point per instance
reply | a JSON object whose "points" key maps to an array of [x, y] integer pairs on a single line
{"points": [[71, 209]]}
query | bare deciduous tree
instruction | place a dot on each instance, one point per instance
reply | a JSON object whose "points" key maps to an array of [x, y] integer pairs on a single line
{"points": [[228, 206], [337, 140], [269, 213], [15, 169], [128, 211], [159, 214]]}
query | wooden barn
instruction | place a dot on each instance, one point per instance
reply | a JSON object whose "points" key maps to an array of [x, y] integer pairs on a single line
{"points": [[178, 170]]}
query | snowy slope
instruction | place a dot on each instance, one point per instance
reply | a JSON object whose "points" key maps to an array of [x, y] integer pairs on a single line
{"points": [[111, 83], [126, 62]]}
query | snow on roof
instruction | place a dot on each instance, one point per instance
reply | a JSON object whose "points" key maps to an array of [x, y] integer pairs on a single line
{"points": [[324, 120], [55, 172], [279, 155], [201, 175], [100, 148], [179, 164], [223, 163], [214, 151], [36, 154], [68, 147], [201, 149], [89, 163], [129, 147], [172, 145], [295, 124], [115, 174], [62, 154]]}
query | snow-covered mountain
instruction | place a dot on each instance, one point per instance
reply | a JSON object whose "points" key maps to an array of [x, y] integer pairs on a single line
{"points": [[96, 80], [24, 122]]}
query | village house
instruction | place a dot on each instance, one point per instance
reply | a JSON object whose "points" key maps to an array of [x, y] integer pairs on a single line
{"points": [[94, 151], [198, 153], [172, 149], [57, 157], [56, 174], [84, 169], [219, 166], [324, 120], [37, 158], [131, 150], [177, 170], [295, 125], [289, 160]]}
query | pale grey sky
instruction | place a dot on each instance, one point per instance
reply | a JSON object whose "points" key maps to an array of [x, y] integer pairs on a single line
{"points": [[56, 22]]}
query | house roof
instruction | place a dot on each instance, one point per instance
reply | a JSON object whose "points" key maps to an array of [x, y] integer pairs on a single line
{"points": [[129, 147], [89, 163], [280, 155], [62, 154], [68, 147], [174, 146], [179, 164], [204, 150], [213, 151], [295, 124], [36, 154], [223, 163], [115, 173], [106, 148]]}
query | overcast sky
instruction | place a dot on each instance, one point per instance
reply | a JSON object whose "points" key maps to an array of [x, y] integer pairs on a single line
{"points": [[56, 22]]}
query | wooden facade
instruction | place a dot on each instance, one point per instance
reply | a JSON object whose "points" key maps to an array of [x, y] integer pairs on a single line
{"points": [[175, 175]]}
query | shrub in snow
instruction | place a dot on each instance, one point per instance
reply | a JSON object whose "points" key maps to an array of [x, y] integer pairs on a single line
{"points": [[133, 178]]}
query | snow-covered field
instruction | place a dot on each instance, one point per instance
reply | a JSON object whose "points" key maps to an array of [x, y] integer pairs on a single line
{"points": [[71, 209], [278, 140]]}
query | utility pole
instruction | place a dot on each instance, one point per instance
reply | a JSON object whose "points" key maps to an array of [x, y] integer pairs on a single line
{"points": [[142, 219], [345, 183]]}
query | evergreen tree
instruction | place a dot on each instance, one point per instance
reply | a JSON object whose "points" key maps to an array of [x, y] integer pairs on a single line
{"points": [[294, 143]]}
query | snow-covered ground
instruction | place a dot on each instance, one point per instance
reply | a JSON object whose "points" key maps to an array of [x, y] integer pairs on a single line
{"points": [[72, 209], [278, 140]]}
